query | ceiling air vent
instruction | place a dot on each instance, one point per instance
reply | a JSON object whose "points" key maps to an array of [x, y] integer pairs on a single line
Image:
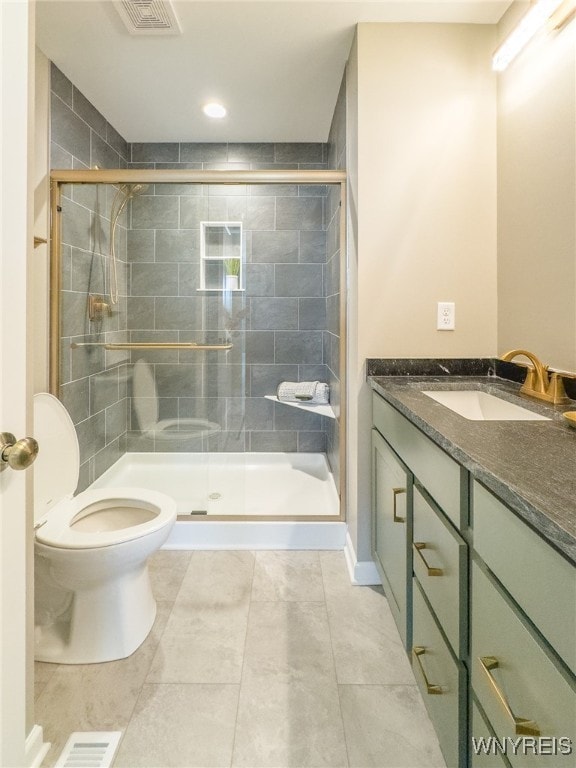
{"points": [[148, 17]]}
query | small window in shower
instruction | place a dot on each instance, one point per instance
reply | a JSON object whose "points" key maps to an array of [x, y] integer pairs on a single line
{"points": [[221, 256]]}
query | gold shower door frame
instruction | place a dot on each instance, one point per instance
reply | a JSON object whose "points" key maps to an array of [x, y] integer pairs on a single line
{"points": [[177, 176]]}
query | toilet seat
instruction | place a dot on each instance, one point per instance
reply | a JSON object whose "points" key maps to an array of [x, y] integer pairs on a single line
{"points": [[56, 530], [55, 478]]}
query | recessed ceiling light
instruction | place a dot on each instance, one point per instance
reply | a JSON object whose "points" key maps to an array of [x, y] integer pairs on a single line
{"points": [[214, 110]]}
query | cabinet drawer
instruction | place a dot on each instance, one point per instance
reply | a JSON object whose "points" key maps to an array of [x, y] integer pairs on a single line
{"points": [[391, 501], [519, 687], [440, 561], [436, 471], [441, 680], [485, 754], [538, 578]]}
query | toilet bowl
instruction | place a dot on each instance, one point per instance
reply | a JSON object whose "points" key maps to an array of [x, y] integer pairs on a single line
{"points": [[93, 597], [167, 434]]}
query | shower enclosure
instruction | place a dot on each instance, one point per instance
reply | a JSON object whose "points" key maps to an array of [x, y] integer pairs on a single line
{"points": [[180, 300]]}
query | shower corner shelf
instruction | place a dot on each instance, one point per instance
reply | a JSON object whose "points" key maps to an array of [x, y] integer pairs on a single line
{"points": [[320, 410]]}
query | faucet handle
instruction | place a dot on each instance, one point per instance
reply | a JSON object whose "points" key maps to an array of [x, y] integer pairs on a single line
{"points": [[556, 389]]}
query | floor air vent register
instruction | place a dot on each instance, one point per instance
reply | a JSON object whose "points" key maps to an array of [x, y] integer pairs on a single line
{"points": [[89, 749]]}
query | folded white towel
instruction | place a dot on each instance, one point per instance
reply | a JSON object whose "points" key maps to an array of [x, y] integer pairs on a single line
{"points": [[311, 392]]}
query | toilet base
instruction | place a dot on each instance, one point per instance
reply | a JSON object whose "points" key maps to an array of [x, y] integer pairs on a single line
{"points": [[104, 622]]}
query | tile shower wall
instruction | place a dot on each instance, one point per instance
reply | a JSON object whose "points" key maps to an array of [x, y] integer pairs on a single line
{"points": [[93, 382], [277, 324], [283, 326]]}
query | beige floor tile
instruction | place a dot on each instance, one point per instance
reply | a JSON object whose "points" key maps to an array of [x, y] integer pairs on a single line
{"points": [[202, 645], [287, 576], [288, 642], [181, 726], [167, 569], [216, 578], [367, 648], [38, 689], [366, 645], [335, 575], [292, 725], [43, 671], [387, 726], [204, 638], [93, 697], [42, 674]]}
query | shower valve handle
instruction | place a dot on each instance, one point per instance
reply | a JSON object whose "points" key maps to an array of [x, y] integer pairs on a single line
{"points": [[17, 454]]}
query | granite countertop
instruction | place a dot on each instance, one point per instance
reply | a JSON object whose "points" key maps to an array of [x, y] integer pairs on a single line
{"points": [[530, 465]]}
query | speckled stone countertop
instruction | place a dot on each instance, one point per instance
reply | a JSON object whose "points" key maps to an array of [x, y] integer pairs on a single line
{"points": [[530, 465]]}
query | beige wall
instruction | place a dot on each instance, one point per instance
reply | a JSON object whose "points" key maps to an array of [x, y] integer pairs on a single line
{"points": [[423, 220], [427, 191], [537, 199]]}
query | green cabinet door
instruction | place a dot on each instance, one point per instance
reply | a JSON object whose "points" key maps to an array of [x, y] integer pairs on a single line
{"points": [[391, 502]]}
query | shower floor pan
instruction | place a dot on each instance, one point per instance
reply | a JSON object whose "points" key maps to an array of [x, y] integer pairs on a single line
{"points": [[259, 486], [232, 484]]}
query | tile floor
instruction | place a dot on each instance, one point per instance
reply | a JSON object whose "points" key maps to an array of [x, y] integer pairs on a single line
{"points": [[256, 660]]}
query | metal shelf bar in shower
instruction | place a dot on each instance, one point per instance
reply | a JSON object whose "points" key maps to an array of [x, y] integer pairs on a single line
{"points": [[120, 345]]}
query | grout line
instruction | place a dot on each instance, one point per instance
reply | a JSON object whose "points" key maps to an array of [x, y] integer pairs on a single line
{"points": [[254, 554], [334, 661]]}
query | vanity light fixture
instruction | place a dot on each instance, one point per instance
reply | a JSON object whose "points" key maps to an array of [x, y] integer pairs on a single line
{"points": [[214, 110], [565, 13], [521, 35]]}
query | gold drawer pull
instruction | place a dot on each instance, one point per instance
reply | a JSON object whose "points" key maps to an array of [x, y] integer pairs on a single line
{"points": [[523, 726], [432, 689], [395, 517], [419, 546]]}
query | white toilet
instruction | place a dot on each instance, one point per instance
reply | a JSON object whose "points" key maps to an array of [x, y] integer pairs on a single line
{"points": [[94, 602]]}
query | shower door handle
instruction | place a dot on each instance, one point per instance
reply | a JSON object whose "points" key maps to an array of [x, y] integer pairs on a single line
{"points": [[17, 454]]}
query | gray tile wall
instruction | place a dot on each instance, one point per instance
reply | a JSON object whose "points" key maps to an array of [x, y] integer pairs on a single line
{"points": [[282, 326], [277, 324], [93, 382]]}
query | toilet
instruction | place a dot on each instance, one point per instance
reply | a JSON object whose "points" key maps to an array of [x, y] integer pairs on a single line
{"points": [[166, 433], [93, 597]]}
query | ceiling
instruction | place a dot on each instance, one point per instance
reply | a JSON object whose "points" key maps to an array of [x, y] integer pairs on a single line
{"points": [[276, 66]]}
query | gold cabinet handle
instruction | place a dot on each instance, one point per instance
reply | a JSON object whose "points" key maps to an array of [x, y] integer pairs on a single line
{"points": [[523, 726], [431, 688], [419, 546], [395, 516]]}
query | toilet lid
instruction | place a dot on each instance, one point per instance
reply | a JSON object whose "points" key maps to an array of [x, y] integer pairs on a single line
{"points": [[145, 396], [57, 466]]}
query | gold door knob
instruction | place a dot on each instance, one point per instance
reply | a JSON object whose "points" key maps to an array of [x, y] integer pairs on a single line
{"points": [[17, 454]]}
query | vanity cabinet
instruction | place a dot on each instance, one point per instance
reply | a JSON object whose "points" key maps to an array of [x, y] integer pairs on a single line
{"points": [[391, 529], [440, 557], [540, 580], [441, 679], [523, 690], [437, 556], [491, 606]]}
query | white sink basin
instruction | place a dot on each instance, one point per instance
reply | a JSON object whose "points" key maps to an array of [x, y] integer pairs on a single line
{"points": [[481, 406]]}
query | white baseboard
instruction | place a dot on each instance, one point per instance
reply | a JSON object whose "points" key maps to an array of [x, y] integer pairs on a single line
{"points": [[250, 534], [36, 748], [362, 573]]}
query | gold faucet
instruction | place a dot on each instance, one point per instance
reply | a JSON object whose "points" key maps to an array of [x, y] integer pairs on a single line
{"points": [[539, 382]]}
